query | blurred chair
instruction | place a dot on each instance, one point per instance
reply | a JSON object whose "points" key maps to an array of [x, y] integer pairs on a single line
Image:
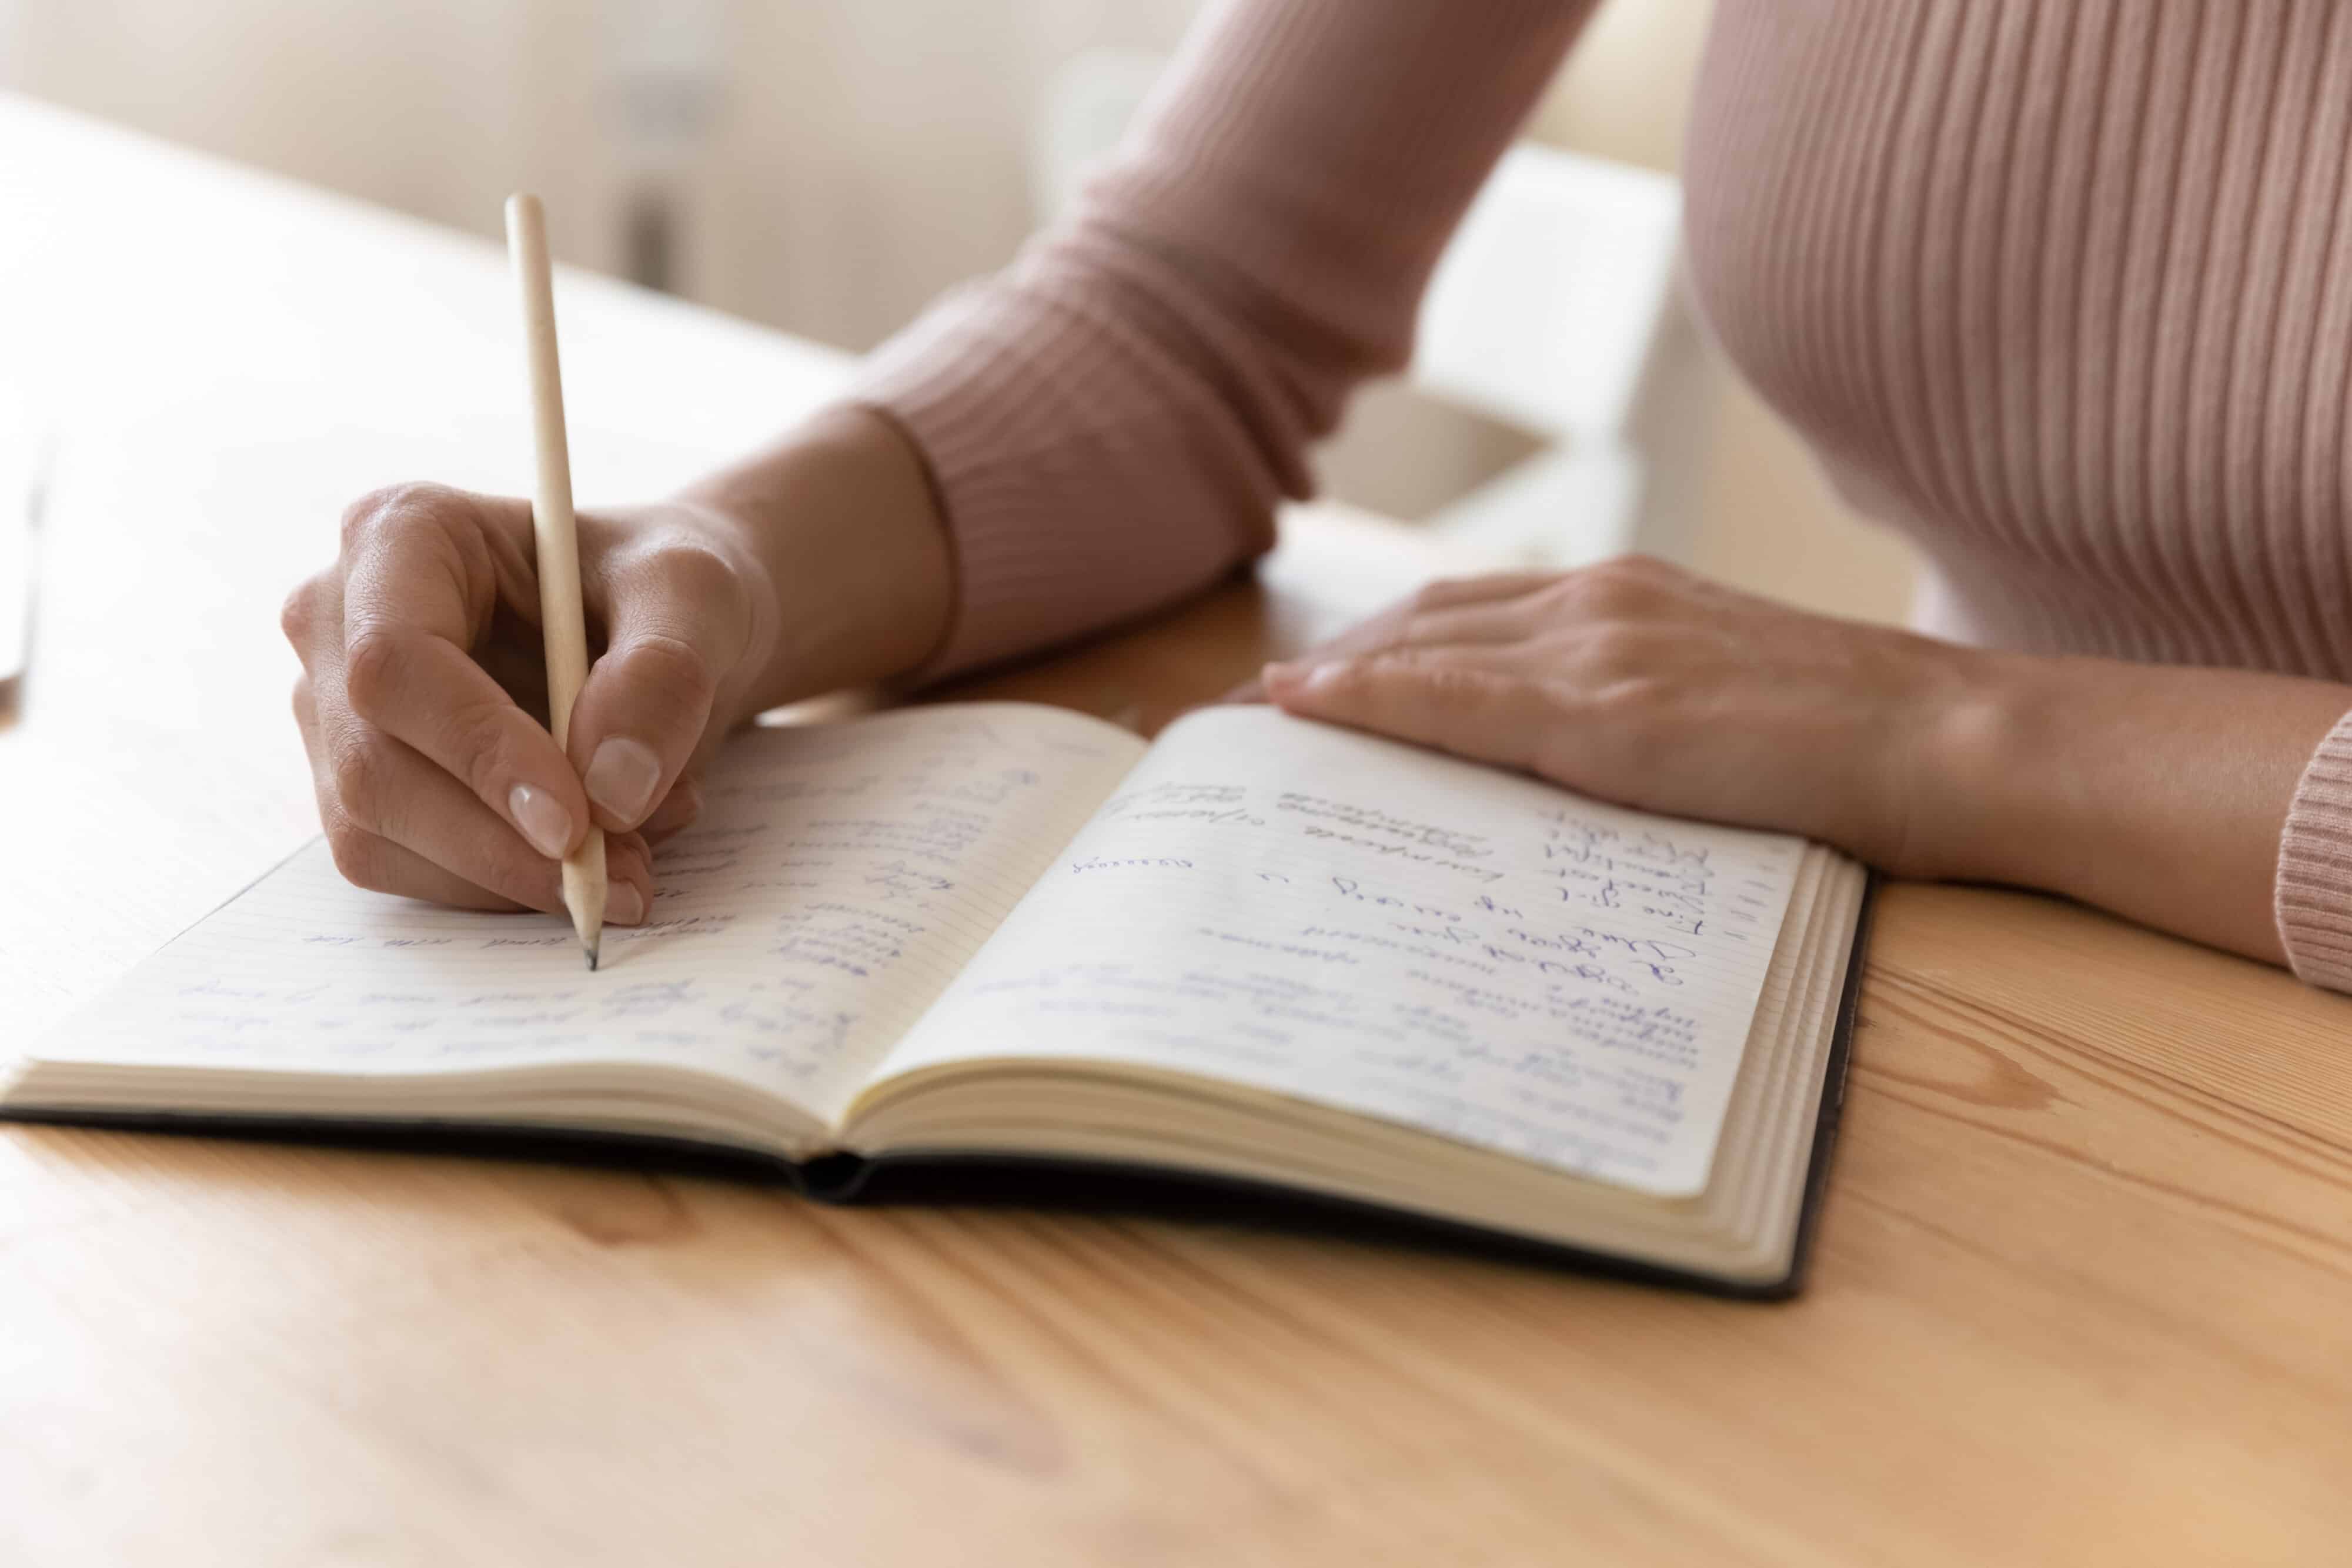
{"points": [[1555, 309]]}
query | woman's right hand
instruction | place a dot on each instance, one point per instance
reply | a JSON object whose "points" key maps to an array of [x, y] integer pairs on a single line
{"points": [[422, 698]]}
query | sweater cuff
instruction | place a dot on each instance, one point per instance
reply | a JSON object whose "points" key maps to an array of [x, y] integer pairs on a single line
{"points": [[2314, 900], [1027, 416]]}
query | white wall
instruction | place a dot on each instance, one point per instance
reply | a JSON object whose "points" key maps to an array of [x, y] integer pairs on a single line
{"points": [[865, 154]]}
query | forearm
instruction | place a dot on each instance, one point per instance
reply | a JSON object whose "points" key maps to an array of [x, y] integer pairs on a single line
{"points": [[2155, 791], [1112, 421], [840, 518]]}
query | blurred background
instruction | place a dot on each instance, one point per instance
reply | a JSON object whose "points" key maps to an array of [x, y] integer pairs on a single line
{"points": [[826, 166]]}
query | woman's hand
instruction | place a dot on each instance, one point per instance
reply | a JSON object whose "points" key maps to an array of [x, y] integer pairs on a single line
{"points": [[423, 697], [2157, 792], [1635, 682]]}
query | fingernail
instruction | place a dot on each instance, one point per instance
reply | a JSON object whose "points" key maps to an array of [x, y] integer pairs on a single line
{"points": [[542, 819], [623, 905], [622, 775]]}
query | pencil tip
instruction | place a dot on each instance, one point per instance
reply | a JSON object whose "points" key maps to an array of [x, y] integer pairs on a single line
{"points": [[592, 959]]}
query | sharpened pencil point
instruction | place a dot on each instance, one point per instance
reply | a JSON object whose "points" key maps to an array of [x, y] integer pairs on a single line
{"points": [[591, 958]]}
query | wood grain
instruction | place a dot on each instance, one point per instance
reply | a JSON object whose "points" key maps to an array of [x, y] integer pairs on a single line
{"points": [[2077, 1302], [2080, 1297]]}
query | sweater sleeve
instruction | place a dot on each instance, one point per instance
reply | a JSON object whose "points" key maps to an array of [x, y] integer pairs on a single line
{"points": [[1110, 422], [2314, 871]]}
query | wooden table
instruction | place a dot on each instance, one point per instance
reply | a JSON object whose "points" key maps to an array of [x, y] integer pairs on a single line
{"points": [[2084, 1291]]}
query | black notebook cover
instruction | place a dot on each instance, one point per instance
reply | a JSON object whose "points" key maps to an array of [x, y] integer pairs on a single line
{"points": [[1039, 1183]]}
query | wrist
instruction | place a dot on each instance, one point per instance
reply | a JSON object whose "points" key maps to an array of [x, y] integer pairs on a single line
{"points": [[846, 551], [2157, 792], [1980, 763]]}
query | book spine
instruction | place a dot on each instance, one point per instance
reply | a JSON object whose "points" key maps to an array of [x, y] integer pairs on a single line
{"points": [[1833, 1106]]}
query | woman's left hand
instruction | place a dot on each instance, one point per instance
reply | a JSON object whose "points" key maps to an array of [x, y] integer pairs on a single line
{"points": [[1635, 682]]}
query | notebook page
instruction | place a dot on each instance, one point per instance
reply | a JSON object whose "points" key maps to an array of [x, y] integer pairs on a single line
{"points": [[1345, 919], [839, 876]]}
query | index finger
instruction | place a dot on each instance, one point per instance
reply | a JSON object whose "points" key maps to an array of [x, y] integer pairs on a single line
{"points": [[1395, 623], [423, 573]]}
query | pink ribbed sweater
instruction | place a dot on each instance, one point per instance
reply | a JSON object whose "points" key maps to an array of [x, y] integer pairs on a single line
{"points": [[2059, 288]]}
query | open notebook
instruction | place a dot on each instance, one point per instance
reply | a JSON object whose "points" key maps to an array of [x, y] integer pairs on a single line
{"points": [[1258, 949]]}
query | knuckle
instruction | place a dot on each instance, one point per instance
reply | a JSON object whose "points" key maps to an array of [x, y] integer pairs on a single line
{"points": [[374, 664], [1648, 579], [1646, 570], [1629, 695], [299, 616], [358, 855], [1621, 587], [700, 573], [670, 673], [388, 506], [1423, 659], [478, 733], [1492, 716], [1451, 687], [1597, 590], [1613, 655], [1348, 680], [1434, 595], [358, 770], [1446, 593], [1422, 629], [1438, 685]]}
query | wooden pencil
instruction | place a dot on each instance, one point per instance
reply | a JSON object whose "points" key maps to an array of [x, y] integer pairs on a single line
{"points": [[556, 531]]}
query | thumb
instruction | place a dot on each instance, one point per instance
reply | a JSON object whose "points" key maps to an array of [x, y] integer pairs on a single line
{"points": [[676, 621]]}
